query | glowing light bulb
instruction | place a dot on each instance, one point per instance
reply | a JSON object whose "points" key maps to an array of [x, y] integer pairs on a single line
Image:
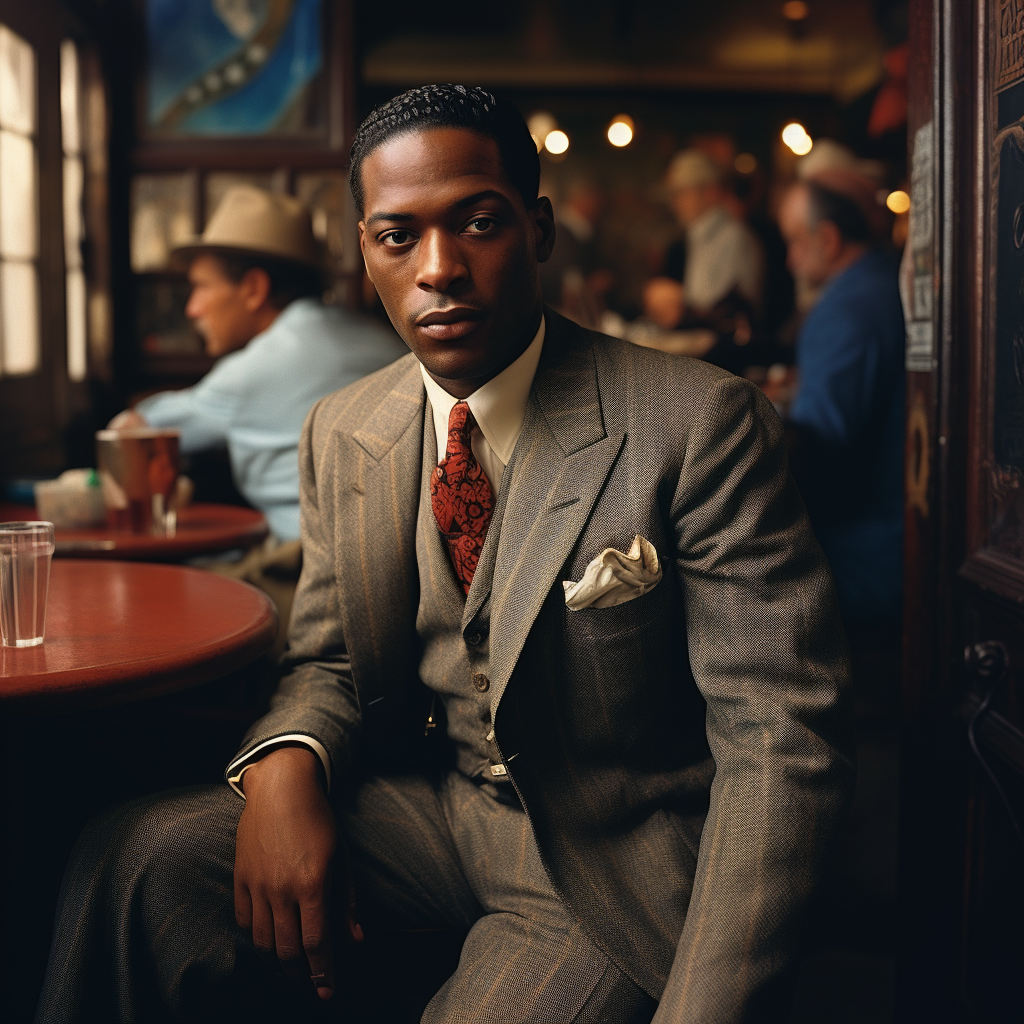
{"points": [[620, 131], [745, 163], [795, 136], [540, 123], [795, 10], [556, 142], [898, 201]]}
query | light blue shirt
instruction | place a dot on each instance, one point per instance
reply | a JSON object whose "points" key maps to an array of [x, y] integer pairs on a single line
{"points": [[254, 401]]}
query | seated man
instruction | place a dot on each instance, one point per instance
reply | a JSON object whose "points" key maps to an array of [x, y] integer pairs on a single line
{"points": [[256, 287], [565, 670], [723, 256], [849, 410], [721, 284]]}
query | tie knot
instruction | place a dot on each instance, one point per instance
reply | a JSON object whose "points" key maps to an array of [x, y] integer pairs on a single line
{"points": [[460, 420]]}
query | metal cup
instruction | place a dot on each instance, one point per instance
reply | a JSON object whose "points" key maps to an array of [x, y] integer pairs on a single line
{"points": [[139, 474], [25, 552]]}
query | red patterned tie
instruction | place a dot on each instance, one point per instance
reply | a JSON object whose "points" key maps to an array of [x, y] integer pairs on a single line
{"points": [[460, 495]]}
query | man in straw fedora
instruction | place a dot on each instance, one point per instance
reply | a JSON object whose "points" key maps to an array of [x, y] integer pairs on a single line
{"points": [[256, 282], [565, 672]]}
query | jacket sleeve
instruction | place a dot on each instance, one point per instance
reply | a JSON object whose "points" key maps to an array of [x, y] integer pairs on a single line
{"points": [[316, 695], [768, 653]]}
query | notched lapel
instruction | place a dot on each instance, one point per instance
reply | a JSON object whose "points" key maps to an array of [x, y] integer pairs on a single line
{"points": [[390, 420], [376, 495], [562, 460]]}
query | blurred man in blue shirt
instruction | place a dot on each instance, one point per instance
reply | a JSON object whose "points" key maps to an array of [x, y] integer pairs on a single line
{"points": [[255, 300], [849, 410]]}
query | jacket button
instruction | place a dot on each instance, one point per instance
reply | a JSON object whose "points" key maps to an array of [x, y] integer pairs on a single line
{"points": [[481, 682]]}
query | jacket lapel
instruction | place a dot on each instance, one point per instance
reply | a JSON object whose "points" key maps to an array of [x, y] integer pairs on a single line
{"points": [[560, 465], [376, 495]]}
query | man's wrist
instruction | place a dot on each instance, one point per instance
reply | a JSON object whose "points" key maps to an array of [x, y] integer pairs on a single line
{"points": [[295, 765]]}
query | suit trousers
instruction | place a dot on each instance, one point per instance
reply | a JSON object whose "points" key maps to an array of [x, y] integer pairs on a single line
{"points": [[146, 931]]}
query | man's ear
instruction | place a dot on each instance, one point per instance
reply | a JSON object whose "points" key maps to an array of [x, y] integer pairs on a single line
{"points": [[255, 286], [543, 228], [362, 246]]}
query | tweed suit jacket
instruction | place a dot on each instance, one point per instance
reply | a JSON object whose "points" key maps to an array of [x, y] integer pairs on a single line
{"points": [[685, 757]]}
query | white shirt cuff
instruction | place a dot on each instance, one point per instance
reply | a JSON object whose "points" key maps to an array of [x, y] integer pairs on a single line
{"points": [[239, 767]]}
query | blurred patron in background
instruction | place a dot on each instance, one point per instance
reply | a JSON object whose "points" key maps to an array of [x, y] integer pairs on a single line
{"points": [[724, 264], [256, 284], [849, 408], [574, 281]]}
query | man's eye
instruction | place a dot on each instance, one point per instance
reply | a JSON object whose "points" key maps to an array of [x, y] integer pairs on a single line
{"points": [[480, 225], [396, 237]]}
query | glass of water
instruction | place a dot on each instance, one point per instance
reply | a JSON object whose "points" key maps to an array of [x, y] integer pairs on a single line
{"points": [[25, 552]]}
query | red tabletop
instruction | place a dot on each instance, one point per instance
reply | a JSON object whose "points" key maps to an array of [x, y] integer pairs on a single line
{"points": [[124, 631], [202, 530]]}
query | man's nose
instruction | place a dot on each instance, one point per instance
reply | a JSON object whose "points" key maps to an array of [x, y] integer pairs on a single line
{"points": [[192, 307], [441, 263]]}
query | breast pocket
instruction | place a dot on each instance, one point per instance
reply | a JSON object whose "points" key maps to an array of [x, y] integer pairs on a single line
{"points": [[650, 611]]}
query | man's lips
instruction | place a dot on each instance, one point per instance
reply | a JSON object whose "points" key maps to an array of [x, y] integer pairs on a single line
{"points": [[449, 324]]}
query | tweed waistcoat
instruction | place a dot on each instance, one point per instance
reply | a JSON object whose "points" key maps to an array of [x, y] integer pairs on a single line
{"points": [[455, 667]]}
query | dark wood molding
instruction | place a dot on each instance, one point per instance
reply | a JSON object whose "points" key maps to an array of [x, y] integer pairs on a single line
{"points": [[996, 733], [995, 573]]}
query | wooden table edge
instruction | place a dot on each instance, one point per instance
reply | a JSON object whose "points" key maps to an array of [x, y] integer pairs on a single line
{"points": [[169, 674]]}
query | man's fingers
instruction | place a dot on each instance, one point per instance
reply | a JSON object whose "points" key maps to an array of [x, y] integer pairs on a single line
{"points": [[355, 929], [316, 942], [288, 939], [262, 926], [243, 904]]}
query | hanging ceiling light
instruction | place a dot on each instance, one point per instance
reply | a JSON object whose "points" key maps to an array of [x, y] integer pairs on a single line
{"points": [[556, 142], [795, 136], [898, 201], [745, 163], [540, 123], [620, 131]]}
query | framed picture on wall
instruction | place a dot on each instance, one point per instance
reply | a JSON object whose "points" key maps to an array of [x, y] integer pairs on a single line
{"points": [[234, 69]]}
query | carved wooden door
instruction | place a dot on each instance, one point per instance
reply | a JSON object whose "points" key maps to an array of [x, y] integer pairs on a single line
{"points": [[962, 849]]}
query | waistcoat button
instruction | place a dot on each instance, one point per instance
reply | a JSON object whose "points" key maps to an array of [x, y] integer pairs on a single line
{"points": [[473, 639], [481, 682]]}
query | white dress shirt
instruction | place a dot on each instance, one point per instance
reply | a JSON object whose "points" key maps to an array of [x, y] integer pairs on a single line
{"points": [[499, 408]]}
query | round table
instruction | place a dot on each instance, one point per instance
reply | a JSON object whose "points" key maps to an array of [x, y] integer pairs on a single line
{"points": [[202, 530], [125, 631]]}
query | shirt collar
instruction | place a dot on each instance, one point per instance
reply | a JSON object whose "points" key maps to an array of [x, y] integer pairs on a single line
{"points": [[499, 406]]}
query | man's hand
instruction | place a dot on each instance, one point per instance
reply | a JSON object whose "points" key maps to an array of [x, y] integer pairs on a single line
{"points": [[287, 841], [663, 302], [127, 420]]}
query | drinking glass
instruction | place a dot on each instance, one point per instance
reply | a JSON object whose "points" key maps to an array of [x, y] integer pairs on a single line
{"points": [[25, 551], [139, 475]]}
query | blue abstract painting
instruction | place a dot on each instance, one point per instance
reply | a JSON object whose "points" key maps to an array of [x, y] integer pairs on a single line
{"points": [[232, 67]]}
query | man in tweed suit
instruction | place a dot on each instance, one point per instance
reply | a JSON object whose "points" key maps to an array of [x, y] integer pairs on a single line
{"points": [[625, 805]]}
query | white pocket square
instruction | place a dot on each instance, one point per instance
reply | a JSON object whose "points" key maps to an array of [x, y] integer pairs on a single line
{"points": [[615, 577]]}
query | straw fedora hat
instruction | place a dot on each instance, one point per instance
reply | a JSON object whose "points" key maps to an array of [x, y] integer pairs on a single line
{"points": [[250, 220]]}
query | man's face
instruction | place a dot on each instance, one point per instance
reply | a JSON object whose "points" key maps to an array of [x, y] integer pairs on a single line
{"points": [[689, 202], [453, 252], [220, 308], [807, 246]]}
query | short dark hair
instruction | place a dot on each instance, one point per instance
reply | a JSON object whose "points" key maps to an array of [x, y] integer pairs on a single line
{"points": [[840, 210], [452, 106], [288, 280]]}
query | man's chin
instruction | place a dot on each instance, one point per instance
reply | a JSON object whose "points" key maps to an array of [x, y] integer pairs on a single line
{"points": [[461, 359]]}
